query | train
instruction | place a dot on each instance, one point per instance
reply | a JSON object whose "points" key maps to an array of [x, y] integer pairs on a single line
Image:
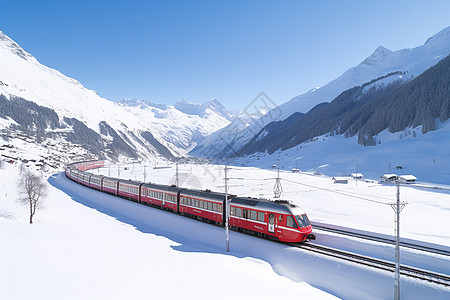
{"points": [[278, 220]]}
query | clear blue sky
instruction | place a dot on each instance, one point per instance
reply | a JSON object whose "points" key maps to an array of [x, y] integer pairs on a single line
{"points": [[163, 51]]}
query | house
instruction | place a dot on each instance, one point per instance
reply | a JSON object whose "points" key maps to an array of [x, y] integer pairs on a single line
{"points": [[343, 180], [295, 170], [388, 177], [356, 175], [407, 178]]}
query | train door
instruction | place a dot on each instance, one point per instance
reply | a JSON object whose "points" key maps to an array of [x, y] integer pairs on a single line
{"points": [[271, 223]]}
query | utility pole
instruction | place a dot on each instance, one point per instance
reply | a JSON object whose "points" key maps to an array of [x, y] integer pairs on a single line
{"points": [[397, 207], [145, 172], [118, 170], [278, 189], [227, 210], [176, 176], [356, 175]]}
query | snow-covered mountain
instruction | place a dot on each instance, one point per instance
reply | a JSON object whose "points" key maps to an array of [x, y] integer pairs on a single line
{"points": [[183, 124], [401, 65], [46, 103]]}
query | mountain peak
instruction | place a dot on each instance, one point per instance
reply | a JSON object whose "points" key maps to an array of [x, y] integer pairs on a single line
{"points": [[12, 46], [378, 55], [200, 109], [441, 36]]}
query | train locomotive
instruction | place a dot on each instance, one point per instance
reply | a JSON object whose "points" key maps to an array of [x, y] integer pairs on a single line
{"points": [[277, 220]]}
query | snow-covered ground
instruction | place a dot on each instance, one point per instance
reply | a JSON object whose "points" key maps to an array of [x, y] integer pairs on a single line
{"points": [[89, 245]]}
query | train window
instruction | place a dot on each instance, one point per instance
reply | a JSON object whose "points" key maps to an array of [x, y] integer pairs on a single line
{"points": [[219, 207], [245, 214], [210, 205], [232, 211], [280, 218], [303, 220], [238, 212], [261, 216], [290, 222], [205, 204], [214, 206], [253, 215]]}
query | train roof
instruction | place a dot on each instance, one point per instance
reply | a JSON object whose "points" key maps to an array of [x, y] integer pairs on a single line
{"points": [[206, 194], [97, 176], [131, 182], [111, 179], [169, 188], [280, 206]]}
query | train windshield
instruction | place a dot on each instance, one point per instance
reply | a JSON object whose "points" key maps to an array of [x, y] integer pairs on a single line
{"points": [[303, 220]]}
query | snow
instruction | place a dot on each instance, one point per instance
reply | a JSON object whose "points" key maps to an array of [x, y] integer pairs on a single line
{"points": [[90, 245], [125, 252], [422, 155], [181, 125]]}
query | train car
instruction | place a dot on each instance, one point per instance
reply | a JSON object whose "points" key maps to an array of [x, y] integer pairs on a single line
{"points": [[279, 219], [87, 165], [161, 195], [84, 178], [129, 189], [110, 185], [95, 182], [75, 175], [205, 205]]}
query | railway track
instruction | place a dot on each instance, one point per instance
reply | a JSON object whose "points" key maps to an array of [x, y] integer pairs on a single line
{"points": [[417, 273], [383, 240]]}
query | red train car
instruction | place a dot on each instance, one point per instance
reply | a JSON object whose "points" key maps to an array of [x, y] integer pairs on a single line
{"points": [[160, 195], [205, 205], [95, 182], [110, 185], [129, 189], [279, 219]]}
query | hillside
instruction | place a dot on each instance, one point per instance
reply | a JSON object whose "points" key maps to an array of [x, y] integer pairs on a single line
{"points": [[392, 66], [365, 111], [46, 106]]}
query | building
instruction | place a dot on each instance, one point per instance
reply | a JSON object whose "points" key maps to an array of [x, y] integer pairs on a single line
{"points": [[407, 178], [388, 177], [356, 175], [343, 180]]}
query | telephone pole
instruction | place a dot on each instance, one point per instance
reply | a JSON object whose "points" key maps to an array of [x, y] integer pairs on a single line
{"points": [[397, 207], [177, 176], [227, 210], [145, 173], [277, 189]]}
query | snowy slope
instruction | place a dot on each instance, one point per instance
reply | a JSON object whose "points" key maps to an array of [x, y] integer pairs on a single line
{"points": [[183, 124], [406, 63], [412, 61]]}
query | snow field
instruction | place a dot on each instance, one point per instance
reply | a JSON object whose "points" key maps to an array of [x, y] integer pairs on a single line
{"points": [[74, 252]]}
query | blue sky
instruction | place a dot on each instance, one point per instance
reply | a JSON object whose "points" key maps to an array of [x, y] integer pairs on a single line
{"points": [[164, 51]]}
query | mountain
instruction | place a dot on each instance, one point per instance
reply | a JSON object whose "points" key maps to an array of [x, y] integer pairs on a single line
{"points": [[365, 111], [46, 107], [184, 124], [401, 65]]}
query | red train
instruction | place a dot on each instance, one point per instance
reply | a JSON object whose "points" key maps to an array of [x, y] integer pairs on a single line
{"points": [[278, 220]]}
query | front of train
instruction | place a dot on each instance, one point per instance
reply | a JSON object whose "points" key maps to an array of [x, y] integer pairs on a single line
{"points": [[303, 224]]}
